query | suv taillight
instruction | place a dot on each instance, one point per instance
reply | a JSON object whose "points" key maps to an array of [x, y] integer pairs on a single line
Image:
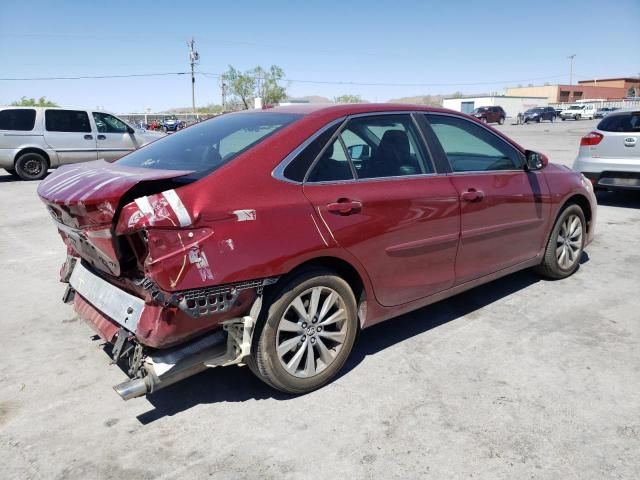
{"points": [[593, 138]]}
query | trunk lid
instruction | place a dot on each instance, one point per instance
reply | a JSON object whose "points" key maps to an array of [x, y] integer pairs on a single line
{"points": [[85, 200]]}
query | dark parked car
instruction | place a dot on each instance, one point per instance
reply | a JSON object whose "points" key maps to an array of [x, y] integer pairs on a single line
{"points": [[539, 113], [270, 237], [604, 111], [490, 114]]}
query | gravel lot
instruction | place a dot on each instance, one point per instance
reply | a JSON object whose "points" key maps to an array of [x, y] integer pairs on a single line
{"points": [[520, 378]]}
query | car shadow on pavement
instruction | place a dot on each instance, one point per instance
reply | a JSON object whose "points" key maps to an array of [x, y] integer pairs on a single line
{"points": [[238, 384], [621, 198]]}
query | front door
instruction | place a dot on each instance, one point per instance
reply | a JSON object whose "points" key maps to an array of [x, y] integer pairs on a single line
{"points": [[374, 188], [69, 133], [114, 137], [503, 208]]}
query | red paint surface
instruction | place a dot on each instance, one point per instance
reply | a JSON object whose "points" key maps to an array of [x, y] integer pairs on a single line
{"points": [[413, 240]]}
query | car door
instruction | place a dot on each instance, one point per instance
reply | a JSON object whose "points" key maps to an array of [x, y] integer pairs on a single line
{"points": [[382, 201], [504, 209], [115, 138], [70, 135]]}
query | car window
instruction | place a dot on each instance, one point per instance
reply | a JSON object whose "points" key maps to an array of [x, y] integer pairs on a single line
{"points": [[107, 123], [206, 146], [17, 119], [333, 164], [299, 166], [67, 121], [620, 122], [385, 146], [472, 148]]}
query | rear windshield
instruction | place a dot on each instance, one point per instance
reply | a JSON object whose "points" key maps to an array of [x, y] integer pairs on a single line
{"points": [[206, 146], [629, 122]]}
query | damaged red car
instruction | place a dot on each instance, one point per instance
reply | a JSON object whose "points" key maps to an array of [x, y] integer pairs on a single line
{"points": [[270, 238]]}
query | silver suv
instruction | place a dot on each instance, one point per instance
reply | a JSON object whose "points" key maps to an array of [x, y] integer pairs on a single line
{"points": [[34, 139], [610, 155]]}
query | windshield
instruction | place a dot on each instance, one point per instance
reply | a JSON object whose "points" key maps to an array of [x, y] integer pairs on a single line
{"points": [[576, 107], [481, 109], [206, 146], [534, 110]]}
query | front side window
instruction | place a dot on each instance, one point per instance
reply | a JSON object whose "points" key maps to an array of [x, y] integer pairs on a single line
{"points": [[204, 147], [472, 148], [22, 119], [67, 121], [106, 123]]}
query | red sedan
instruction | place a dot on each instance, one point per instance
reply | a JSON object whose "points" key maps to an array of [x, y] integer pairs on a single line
{"points": [[271, 237]]}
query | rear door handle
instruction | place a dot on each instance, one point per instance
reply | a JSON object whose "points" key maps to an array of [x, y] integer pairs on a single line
{"points": [[88, 137], [345, 206], [472, 195], [102, 137]]}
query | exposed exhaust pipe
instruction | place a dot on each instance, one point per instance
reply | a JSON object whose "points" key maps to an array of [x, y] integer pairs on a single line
{"points": [[212, 351]]}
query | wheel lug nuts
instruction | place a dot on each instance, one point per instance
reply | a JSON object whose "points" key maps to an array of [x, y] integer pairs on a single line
{"points": [[313, 340], [303, 338], [304, 325], [319, 328]]}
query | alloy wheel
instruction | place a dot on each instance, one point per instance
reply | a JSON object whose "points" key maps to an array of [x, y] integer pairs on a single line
{"points": [[311, 332], [569, 242]]}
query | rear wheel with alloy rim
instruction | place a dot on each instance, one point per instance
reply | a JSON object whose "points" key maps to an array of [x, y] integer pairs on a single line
{"points": [[563, 252], [31, 166], [307, 334]]}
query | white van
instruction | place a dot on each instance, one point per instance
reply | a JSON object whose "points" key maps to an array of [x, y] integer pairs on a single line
{"points": [[578, 111], [34, 139]]}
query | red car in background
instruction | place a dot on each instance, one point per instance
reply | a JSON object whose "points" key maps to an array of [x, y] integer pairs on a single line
{"points": [[271, 237]]}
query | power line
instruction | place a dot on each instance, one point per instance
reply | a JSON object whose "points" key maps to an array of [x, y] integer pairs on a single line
{"points": [[86, 77]]}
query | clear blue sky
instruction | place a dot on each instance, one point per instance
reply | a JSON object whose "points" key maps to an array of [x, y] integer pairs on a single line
{"points": [[492, 43]]}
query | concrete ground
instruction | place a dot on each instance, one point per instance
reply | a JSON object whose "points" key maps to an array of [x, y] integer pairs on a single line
{"points": [[520, 378]]}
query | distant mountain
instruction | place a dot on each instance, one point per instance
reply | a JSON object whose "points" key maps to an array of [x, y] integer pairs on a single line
{"points": [[433, 100]]}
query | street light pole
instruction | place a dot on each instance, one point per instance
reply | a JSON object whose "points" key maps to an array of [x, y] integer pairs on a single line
{"points": [[571, 57], [194, 58]]}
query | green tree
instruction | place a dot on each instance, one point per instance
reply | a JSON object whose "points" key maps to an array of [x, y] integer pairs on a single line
{"points": [[269, 81], [242, 86], [257, 82], [633, 92], [32, 102], [347, 98]]}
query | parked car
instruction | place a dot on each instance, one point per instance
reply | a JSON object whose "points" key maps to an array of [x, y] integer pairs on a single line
{"points": [[579, 111], [538, 114], [603, 112], [34, 139], [171, 124], [490, 114], [610, 155], [270, 237]]}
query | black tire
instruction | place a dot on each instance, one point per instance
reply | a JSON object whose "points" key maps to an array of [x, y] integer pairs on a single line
{"points": [[501, 121], [265, 361], [538, 120], [484, 120], [577, 117], [563, 119], [552, 119], [32, 166], [550, 266]]}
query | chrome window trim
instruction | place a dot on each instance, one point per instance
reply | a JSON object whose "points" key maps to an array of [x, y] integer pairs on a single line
{"points": [[484, 127], [278, 172]]}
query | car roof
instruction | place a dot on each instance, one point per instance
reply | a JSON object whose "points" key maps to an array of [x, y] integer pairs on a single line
{"points": [[351, 108]]}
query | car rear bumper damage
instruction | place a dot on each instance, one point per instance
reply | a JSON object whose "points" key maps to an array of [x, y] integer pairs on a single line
{"points": [[123, 319]]}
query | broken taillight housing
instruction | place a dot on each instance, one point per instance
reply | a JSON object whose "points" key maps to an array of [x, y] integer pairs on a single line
{"points": [[593, 138]]}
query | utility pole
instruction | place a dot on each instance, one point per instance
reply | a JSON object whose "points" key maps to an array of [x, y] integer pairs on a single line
{"points": [[194, 59], [223, 93], [571, 57]]}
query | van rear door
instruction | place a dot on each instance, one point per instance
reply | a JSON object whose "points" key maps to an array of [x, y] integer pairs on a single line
{"points": [[69, 133]]}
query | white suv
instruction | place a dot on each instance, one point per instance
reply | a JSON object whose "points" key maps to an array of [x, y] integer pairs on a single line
{"points": [[577, 112], [34, 139]]}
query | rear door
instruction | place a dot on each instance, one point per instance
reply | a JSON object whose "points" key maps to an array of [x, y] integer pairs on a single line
{"points": [[503, 208], [114, 138], [70, 134], [374, 187]]}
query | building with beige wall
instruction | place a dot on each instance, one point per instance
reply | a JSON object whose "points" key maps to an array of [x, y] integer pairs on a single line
{"points": [[624, 83], [569, 93]]}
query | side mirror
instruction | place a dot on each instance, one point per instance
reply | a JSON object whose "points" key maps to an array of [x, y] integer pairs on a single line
{"points": [[535, 161], [357, 152]]}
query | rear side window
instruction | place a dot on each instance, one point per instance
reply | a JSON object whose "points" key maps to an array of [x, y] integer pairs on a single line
{"points": [[206, 146], [621, 123], [472, 148], [67, 121], [17, 119], [297, 169]]}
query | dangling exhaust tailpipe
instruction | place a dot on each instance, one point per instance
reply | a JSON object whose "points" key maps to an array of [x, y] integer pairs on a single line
{"points": [[212, 351]]}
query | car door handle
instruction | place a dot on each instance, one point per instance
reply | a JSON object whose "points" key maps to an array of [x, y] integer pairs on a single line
{"points": [[472, 195], [102, 137], [344, 206], [88, 137]]}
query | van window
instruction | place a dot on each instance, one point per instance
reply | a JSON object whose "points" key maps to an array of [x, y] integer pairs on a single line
{"points": [[106, 123], [67, 121], [17, 119]]}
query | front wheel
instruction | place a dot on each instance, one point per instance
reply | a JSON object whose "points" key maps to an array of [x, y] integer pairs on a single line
{"points": [[564, 249], [31, 166], [501, 121], [307, 334], [577, 117]]}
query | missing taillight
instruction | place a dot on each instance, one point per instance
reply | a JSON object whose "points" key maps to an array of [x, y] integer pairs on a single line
{"points": [[593, 138]]}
